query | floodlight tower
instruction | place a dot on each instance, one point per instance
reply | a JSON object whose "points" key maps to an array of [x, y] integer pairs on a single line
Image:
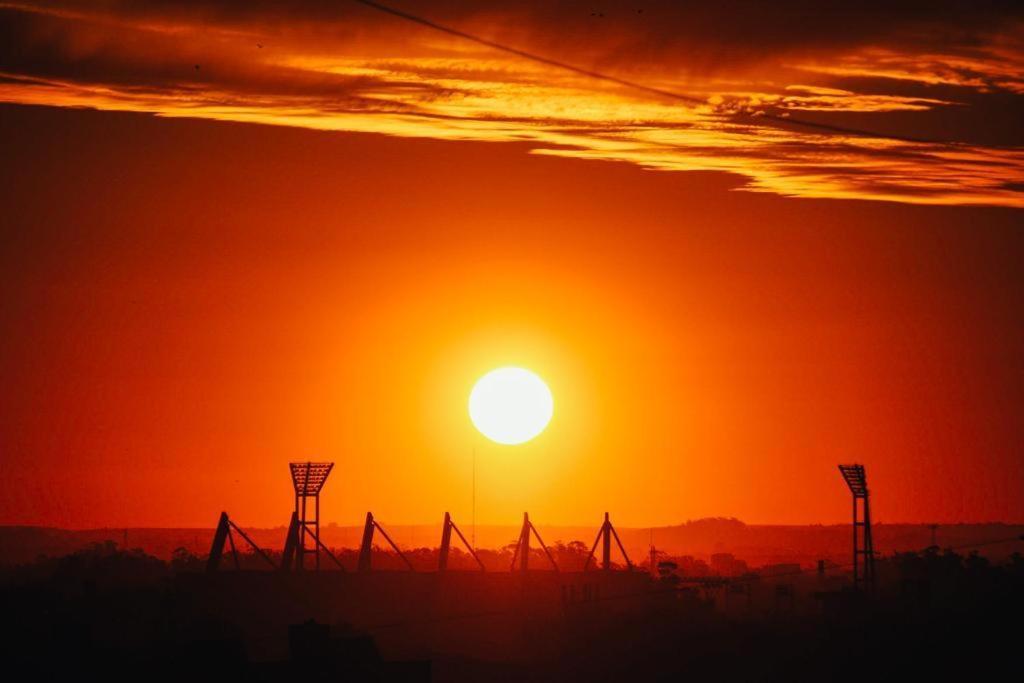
{"points": [[863, 548], [309, 478]]}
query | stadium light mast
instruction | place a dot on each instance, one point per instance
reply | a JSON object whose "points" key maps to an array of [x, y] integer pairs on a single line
{"points": [[863, 548], [308, 478]]}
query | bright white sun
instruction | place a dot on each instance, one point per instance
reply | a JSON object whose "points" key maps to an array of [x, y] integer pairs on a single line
{"points": [[510, 405]]}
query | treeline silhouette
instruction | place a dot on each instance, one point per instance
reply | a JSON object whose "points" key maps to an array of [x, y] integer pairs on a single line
{"points": [[110, 563], [701, 538]]}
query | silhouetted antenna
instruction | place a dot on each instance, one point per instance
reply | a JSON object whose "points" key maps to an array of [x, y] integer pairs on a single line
{"points": [[308, 478], [366, 547], [863, 548], [446, 542], [604, 535], [522, 552], [222, 535]]}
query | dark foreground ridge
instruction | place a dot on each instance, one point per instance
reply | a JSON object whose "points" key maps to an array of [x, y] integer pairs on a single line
{"points": [[108, 614]]}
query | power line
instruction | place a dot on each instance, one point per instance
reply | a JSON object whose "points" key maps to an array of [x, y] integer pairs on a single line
{"points": [[634, 85]]}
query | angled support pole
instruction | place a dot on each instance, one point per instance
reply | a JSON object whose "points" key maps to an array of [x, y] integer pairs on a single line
{"points": [[234, 550], [291, 544], [223, 534], [606, 544], [220, 537], [366, 548], [604, 536], [252, 544], [522, 552], [446, 541], [327, 551], [618, 542]]}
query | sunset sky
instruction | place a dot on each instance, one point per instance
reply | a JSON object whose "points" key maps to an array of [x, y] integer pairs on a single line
{"points": [[239, 234]]}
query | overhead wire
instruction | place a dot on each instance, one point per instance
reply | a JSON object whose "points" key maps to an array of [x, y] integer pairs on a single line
{"points": [[783, 120]]}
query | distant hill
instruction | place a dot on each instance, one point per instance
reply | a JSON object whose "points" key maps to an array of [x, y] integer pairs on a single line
{"points": [[756, 544]]}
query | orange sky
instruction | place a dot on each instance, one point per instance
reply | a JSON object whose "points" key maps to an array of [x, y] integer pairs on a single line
{"points": [[189, 304], [952, 72]]}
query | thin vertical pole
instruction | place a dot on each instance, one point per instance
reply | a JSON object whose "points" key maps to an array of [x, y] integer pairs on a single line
{"points": [[446, 540], [302, 535], [855, 579], [524, 541], [869, 548], [473, 532], [317, 523], [606, 544]]}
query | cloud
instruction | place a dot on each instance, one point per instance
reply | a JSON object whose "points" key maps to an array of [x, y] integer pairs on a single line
{"points": [[954, 72]]}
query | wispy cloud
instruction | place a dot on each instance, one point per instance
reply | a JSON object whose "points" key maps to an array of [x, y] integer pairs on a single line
{"points": [[339, 66]]}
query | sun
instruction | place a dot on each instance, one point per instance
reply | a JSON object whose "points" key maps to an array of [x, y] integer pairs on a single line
{"points": [[510, 405]]}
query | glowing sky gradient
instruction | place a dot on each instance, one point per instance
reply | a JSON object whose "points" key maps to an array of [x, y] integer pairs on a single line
{"points": [[724, 306]]}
